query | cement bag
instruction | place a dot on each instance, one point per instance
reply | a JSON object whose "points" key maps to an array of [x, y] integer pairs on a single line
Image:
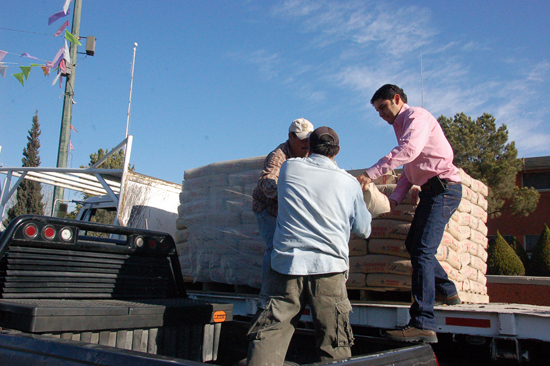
{"points": [[479, 238], [411, 198], [482, 202], [378, 263], [393, 247], [459, 232], [389, 178], [356, 280], [389, 229], [225, 167], [479, 264], [389, 280], [465, 178], [441, 253], [357, 247], [468, 272], [479, 212], [453, 259], [401, 212], [377, 202], [465, 206], [449, 240], [452, 272]]}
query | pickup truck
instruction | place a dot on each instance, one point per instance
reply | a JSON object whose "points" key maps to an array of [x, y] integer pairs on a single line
{"points": [[68, 297]]}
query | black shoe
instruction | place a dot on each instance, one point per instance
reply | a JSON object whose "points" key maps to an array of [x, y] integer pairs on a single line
{"points": [[451, 300]]}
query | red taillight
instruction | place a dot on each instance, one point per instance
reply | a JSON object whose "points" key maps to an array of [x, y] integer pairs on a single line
{"points": [[48, 232], [152, 243], [30, 231], [164, 244]]}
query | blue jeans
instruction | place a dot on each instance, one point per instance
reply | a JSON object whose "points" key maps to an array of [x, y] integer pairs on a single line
{"points": [[428, 277], [267, 224]]}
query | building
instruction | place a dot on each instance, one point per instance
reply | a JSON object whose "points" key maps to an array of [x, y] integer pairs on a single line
{"points": [[536, 174]]}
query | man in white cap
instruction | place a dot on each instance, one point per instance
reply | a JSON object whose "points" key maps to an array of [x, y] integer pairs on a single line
{"points": [[265, 195]]}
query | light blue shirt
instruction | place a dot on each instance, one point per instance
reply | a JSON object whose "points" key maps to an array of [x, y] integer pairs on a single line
{"points": [[319, 205]]}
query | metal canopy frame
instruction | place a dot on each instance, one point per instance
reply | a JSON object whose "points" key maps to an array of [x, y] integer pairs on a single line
{"points": [[93, 180]]}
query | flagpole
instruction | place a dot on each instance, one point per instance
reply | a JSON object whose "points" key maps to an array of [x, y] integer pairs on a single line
{"points": [[131, 85]]}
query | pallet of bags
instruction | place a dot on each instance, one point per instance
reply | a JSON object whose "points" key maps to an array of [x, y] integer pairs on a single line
{"points": [[217, 233], [463, 249]]}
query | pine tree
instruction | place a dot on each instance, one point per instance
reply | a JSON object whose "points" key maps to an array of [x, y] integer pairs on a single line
{"points": [[29, 193], [483, 151], [520, 251], [540, 260], [502, 259]]}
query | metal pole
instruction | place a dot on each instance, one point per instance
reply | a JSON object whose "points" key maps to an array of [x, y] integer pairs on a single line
{"points": [[131, 85], [65, 132]]}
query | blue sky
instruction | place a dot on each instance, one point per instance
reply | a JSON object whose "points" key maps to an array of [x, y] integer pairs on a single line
{"points": [[222, 80]]}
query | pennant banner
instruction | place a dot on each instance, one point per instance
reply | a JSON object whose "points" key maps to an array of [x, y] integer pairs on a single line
{"points": [[56, 16], [74, 129], [25, 54], [61, 29], [66, 6], [26, 71], [2, 54], [19, 76], [3, 71], [71, 38]]}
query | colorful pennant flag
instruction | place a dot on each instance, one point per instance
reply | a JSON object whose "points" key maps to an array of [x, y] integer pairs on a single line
{"points": [[26, 71], [72, 128], [19, 76], [71, 38], [55, 80], [66, 6], [45, 69], [3, 71], [57, 57], [56, 16], [61, 29], [25, 54], [71, 146], [2, 54]]}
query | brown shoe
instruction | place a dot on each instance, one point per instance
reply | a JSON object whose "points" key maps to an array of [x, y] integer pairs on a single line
{"points": [[412, 334], [451, 300]]}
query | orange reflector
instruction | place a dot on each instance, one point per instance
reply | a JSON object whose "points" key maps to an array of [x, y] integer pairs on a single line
{"points": [[468, 322], [219, 316]]}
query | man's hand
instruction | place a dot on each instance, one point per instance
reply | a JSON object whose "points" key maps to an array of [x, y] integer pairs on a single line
{"points": [[364, 181], [393, 203]]}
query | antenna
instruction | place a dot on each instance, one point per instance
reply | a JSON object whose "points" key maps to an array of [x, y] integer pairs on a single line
{"points": [[131, 84], [421, 79]]}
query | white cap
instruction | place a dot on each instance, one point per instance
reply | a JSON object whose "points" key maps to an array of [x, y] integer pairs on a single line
{"points": [[301, 127]]}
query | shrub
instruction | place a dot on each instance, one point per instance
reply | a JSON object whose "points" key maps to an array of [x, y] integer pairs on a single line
{"points": [[502, 259], [520, 251], [540, 260]]}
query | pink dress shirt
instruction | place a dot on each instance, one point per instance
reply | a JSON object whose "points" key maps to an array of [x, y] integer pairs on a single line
{"points": [[422, 149]]}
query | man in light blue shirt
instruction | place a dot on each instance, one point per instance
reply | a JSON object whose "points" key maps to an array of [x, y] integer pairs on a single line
{"points": [[319, 205]]}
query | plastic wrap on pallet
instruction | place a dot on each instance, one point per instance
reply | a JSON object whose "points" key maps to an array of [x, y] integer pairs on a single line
{"points": [[223, 244]]}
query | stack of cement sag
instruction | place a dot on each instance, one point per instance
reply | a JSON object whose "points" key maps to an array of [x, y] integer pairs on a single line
{"points": [[383, 263], [217, 234]]}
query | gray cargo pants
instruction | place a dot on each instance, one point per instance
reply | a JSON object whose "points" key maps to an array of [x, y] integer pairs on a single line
{"points": [[282, 304]]}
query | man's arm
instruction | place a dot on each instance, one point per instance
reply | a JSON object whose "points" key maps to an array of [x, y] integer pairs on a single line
{"points": [[270, 174], [416, 131], [361, 221]]}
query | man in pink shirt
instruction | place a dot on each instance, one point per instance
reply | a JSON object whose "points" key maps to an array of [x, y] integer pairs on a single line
{"points": [[427, 160]]}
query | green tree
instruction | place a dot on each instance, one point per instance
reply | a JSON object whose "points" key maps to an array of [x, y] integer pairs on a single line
{"points": [[502, 259], [29, 193], [483, 151], [520, 251], [540, 260]]}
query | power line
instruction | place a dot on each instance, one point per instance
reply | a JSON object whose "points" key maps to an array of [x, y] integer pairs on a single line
{"points": [[23, 31]]}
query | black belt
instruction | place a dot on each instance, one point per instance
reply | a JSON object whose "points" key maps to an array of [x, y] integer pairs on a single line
{"points": [[437, 184]]}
